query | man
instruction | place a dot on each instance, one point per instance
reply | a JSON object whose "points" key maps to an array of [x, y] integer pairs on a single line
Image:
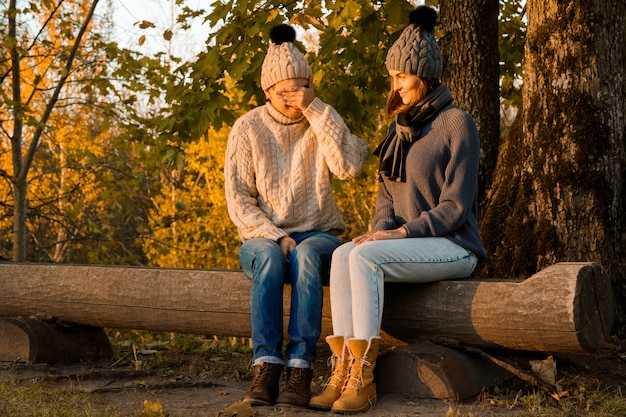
{"points": [[280, 160]]}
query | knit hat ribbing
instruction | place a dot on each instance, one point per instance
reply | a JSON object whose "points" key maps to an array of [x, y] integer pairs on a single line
{"points": [[416, 51], [283, 60]]}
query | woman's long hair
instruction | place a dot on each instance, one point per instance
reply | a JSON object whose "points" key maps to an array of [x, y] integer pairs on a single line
{"points": [[394, 101]]}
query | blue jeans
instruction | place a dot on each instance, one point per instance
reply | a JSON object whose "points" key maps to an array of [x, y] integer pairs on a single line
{"points": [[358, 274], [264, 263]]}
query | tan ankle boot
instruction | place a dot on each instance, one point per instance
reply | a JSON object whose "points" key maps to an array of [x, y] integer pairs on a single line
{"points": [[339, 371], [359, 391]]}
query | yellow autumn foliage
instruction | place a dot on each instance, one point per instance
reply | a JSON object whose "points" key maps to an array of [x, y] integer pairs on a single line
{"points": [[189, 220]]}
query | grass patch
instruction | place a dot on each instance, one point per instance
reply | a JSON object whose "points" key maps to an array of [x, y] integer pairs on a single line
{"points": [[172, 354], [33, 399], [224, 357], [596, 402]]}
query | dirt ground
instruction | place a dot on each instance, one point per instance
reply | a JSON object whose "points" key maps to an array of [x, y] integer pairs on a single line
{"points": [[203, 385]]}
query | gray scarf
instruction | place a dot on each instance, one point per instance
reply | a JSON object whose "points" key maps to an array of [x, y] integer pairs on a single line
{"points": [[406, 129]]}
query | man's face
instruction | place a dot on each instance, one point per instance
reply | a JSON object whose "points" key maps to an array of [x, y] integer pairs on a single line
{"points": [[278, 103]]}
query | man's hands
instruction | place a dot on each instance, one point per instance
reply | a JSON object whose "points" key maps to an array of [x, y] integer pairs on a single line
{"points": [[287, 245], [297, 97]]}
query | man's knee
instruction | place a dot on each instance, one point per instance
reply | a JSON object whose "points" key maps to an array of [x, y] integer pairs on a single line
{"points": [[262, 259]]}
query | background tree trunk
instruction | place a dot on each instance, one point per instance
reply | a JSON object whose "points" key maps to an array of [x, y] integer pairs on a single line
{"points": [[471, 70], [558, 189], [22, 161], [19, 193]]}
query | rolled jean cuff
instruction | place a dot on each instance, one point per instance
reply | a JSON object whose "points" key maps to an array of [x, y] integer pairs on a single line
{"points": [[268, 359], [299, 363]]}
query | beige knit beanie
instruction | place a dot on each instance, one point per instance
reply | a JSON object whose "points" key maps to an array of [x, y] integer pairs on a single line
{"points": [[283, 60], [416, 51]]}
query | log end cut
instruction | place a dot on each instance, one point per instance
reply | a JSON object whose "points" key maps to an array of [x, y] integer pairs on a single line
{"points": [[426, 370], [32, 340], [594, 307]]}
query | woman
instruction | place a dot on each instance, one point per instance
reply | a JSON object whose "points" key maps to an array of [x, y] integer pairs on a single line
{"points": [[425, 226]]}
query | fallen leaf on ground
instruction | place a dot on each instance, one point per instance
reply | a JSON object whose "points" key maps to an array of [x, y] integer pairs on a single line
{"points": [[545, 369], [152, 409], [239, 409]]}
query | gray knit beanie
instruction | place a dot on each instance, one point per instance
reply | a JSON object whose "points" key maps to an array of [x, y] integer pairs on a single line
{"points": [[416, 51], [283, 60]]}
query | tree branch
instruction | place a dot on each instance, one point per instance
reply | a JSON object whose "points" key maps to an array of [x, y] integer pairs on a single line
{"points": [[55, 96]]}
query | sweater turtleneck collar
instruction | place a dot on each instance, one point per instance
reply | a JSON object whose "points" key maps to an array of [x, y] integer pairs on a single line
{"points": [[281, 118]]}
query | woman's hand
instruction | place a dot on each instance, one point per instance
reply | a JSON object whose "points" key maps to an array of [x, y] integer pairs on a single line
{"points": [[399, 233]]}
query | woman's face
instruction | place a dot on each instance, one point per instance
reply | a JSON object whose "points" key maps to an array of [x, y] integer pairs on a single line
{"points": [[409, 87]]}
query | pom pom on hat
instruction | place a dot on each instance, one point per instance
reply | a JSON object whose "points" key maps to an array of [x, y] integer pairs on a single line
{"points": [[282, 33], [283, 60], [425, 17], [416, 51]]}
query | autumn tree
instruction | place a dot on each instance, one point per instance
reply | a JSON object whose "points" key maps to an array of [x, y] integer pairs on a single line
{"points": [[77, 128], [40, 65], [558, 192], [189, 219]]}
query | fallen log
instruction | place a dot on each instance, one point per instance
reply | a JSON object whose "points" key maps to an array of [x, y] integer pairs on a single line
{"points": [[567, 307], [32, 340]]}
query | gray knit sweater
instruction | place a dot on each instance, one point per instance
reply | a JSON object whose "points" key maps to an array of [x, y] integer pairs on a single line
{"points": [[278, 171], [439, 195]]}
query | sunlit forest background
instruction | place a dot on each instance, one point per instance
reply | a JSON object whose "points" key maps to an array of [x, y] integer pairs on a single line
{"points": [[112, 134], [112, 138], [121, 162]]}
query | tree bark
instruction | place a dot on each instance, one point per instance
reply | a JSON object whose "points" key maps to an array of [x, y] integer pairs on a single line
{"points": [[559, 186], [19, 190], [566, 307], [469, 46]]}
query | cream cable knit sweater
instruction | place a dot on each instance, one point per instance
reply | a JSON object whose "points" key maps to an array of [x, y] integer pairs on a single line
{"points": [[278, 170]]}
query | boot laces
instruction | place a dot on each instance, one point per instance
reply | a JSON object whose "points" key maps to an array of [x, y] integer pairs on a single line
{"points": [[297, 378], [355, 379], [261, 377], [336, 378]]}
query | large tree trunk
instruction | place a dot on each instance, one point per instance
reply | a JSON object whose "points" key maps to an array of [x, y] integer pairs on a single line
{"points": [[558, 186], [469, 46]]}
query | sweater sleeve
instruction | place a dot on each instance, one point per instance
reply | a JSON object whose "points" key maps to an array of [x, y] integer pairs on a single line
{"points": [[384, 218], [458, 192], [344, 152], [240, 187]]}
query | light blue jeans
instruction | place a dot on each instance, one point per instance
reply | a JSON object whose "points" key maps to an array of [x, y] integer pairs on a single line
{"points": [[358, 274], [264, 263]]}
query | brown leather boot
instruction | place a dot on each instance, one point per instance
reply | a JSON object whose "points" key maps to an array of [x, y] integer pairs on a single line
{"points": [[298, 390], [263, 389], [359, 392], [339, 361]]}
